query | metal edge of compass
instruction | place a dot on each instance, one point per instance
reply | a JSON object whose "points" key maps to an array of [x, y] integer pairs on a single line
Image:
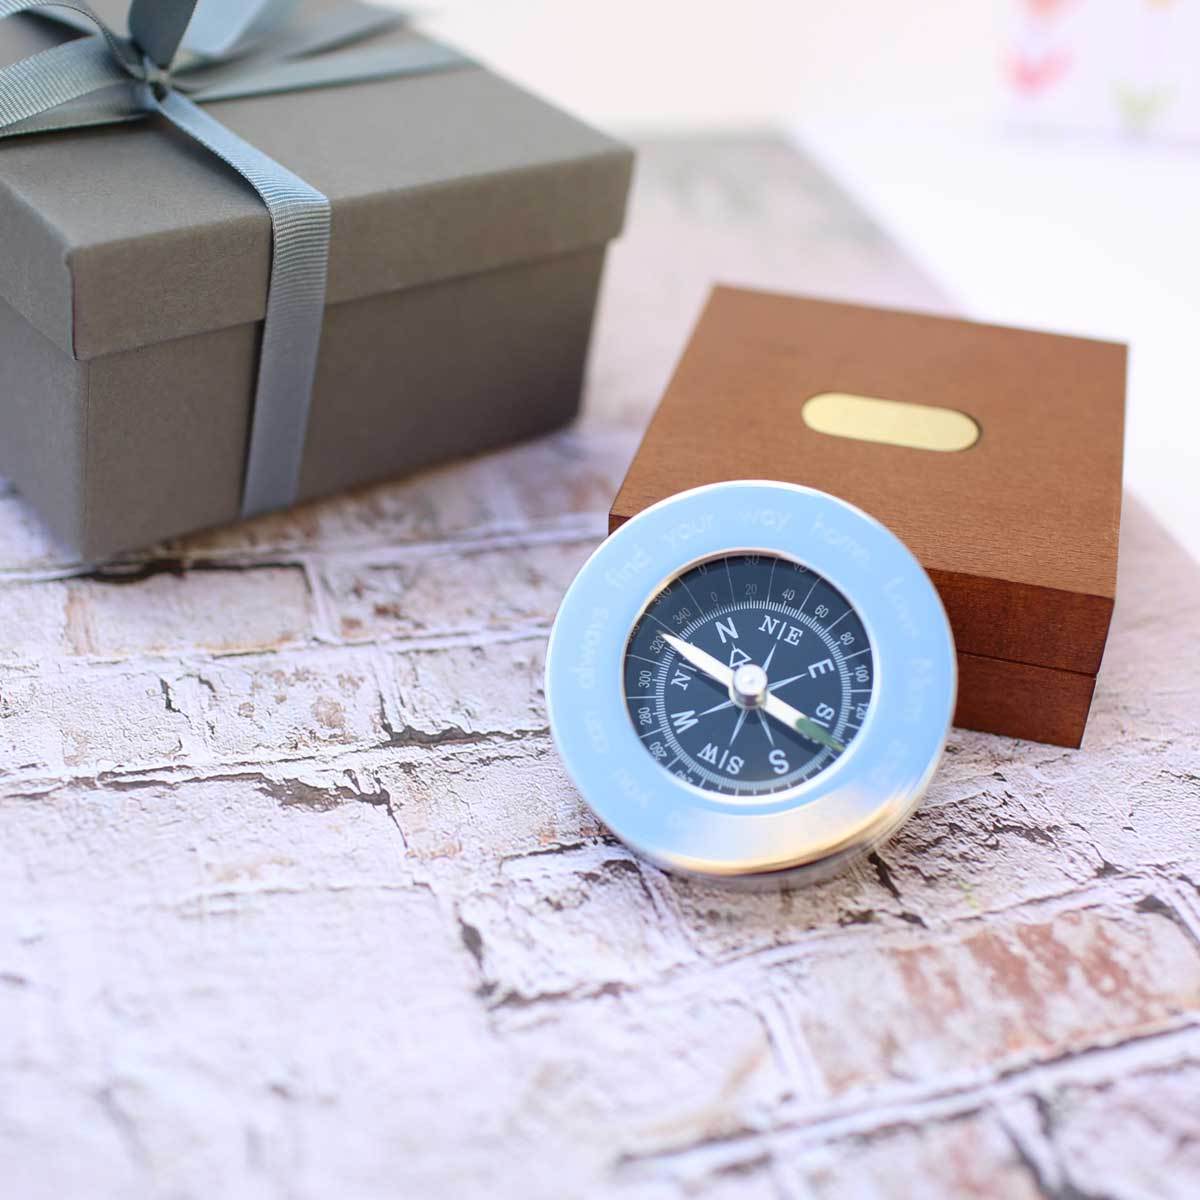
{"points": [[839, 814]]}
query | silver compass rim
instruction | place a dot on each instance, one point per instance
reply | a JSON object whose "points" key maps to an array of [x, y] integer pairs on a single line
{"points": [[840, 813]]}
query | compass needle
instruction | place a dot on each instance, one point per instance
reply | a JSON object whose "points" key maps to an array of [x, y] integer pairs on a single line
{"points": [[700, 659], [766, 598], [725, 674]]}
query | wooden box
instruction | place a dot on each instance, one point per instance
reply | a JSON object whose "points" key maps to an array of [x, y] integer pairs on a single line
{"points": [[1018, 530]]}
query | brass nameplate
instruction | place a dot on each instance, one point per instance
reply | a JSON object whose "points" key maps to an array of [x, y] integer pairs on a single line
{"points": [[892, 422]]}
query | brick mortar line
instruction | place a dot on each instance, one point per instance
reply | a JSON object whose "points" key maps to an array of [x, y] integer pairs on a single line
{"points": [[324, 610], [1186, 905], [555, 531], [195, 657], [479, 539], [744, 968], [698, 968], [842, 1119], [409, 753], [1152, 1052], [332, 759]]}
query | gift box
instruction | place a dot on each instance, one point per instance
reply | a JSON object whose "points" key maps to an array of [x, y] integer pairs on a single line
{"points": [[994, 453], [469, 222]]}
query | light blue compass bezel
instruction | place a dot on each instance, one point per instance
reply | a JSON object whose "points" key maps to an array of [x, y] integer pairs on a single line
{"points": [[848, 808]]}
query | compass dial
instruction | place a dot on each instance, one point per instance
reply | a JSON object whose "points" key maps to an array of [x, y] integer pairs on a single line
{"points": [[748, 674]]}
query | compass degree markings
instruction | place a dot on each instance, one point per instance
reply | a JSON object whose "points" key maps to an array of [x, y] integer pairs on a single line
{"points": [[670, 619], [783, 712]]}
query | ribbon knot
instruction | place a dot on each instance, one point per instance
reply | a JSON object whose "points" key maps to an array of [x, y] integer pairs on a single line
{"points": [[236, 48], [155, 78]]}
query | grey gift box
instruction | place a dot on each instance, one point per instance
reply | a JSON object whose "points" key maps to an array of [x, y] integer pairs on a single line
{"points": [[470, 223]]}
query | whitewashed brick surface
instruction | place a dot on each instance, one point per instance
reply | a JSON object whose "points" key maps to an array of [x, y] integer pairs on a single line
{"points": [[297, 902]]}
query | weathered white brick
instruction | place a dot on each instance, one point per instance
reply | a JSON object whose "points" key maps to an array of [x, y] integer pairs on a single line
{"points": [[1135, 1137], [185, 847], [624, 1076], [961, 1156], [985, 996], [446, 802], [33, 623], [494, 689], [67, 724], [218, 612], [453, 591], [573, 922], [315, 916], [543, 480], [122, 615], [429, 506], [575, 473], [979, 854], [753, 1180], [280, 706]]}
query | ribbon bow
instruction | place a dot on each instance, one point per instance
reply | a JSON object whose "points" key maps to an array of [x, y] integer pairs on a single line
{"points": [[178, 56]]}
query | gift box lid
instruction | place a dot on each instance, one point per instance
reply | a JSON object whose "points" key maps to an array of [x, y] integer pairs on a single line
{"points": [[120, 236], [1018, 529]]}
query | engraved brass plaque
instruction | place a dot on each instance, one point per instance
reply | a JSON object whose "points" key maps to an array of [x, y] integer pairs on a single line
{"points": [[892, 422]]}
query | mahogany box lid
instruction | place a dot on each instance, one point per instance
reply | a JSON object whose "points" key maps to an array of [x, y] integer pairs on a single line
{"points": [[1018, 531]]}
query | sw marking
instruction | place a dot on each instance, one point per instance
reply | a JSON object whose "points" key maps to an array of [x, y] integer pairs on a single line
{"points": [[723, 760]]}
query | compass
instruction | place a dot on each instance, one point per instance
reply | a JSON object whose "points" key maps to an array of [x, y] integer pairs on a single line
{"points": [[751, 680]]}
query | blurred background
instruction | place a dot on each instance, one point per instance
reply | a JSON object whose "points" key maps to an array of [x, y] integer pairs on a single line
{"points": [[1038, 159], [670, 64]]}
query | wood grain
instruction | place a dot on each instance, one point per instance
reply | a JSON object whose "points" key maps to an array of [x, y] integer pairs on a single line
{"points": [[1019, 532], [297, 902], [1022, 701]]}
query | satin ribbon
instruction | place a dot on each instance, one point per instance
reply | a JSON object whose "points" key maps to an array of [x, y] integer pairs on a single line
{"points": [[175, 59]]}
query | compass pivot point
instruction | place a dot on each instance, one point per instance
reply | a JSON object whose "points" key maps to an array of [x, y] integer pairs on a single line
{"points": [[748, 688]]}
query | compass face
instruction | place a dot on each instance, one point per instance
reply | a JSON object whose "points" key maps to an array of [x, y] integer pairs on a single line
{"points": [[748, 674], [774, 710]]}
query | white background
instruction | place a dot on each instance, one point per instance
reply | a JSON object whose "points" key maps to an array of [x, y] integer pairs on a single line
{"points": [[904, 103], [669, 64]]}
